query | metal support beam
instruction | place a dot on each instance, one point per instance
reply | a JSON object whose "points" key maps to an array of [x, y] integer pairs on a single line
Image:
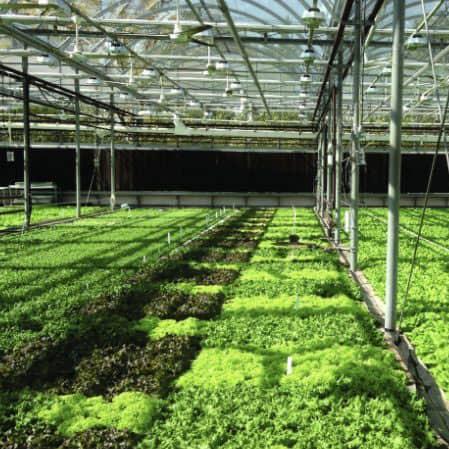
{"points": [[329, 162], [337, 43], [77, 149], [26, 145], [322, 164], [355, 149], [113, 197], [318, 175], [76, 62], [339, 147], [394, 176], [235, 34]]}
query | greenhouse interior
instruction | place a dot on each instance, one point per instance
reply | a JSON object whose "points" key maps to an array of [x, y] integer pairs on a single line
{"points": [[223, 224]]}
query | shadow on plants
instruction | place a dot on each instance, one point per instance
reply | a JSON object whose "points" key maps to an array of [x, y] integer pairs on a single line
{"points": [[149, 369], [176, 271], [179, 305], [37, 435]]}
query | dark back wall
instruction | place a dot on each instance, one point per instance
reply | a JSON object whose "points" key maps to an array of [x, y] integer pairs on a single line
{"points": [[213, 171]]}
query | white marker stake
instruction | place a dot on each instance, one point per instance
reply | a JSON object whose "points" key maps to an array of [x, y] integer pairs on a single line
{"points": [[144, 259], [289, 366], [297, 301], [169, 238], [294, 220], [347, 221]]}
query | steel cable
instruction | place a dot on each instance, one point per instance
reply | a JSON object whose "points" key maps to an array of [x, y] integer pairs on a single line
{"points": [[424, 210]]}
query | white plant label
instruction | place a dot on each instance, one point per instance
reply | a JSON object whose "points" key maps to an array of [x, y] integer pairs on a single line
{"points": [[289, 366], [347, 221]]}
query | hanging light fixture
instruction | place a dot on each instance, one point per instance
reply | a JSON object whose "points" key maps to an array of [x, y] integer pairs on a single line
{"points": [[313, 17], [123, 96], [46, 59], [308, 56], [222, 66], [162, 98], [210, 67], [63, 116], [148, 73], [243, 104], [176, 91], [207, 114], [193, 104], [228, 90], [415, 41], [116, 48], [305, 79], [425, 99], [92, 81], [235, 85], [148, 112], [251, 114]]}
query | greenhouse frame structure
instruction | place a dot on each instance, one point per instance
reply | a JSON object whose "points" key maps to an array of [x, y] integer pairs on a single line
{"points": [[238, 72]]}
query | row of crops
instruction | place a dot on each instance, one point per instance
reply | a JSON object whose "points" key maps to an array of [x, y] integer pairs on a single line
{"points": [[48, 275], [240, 340], [12, 216], [425, 314]]}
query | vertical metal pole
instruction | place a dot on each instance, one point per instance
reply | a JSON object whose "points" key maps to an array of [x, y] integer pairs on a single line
{"points": [[77, 148], [318, 176], [394, 175], [329, 163], [26, 144], [322, 164], [339, 147], [355, 150], [113, 198]]}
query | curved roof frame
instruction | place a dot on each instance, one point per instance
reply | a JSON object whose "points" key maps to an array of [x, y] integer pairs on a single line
{"points": [[271, 33]]}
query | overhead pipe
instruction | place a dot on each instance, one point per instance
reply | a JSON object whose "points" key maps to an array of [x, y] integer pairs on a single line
{"points": [[74, 62], [370, 23], [423, 68], [225, 10], [371, 20], [216, 38], [28, 19], [338, 38], [58, 89], [112, 36], [225, 39]]}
